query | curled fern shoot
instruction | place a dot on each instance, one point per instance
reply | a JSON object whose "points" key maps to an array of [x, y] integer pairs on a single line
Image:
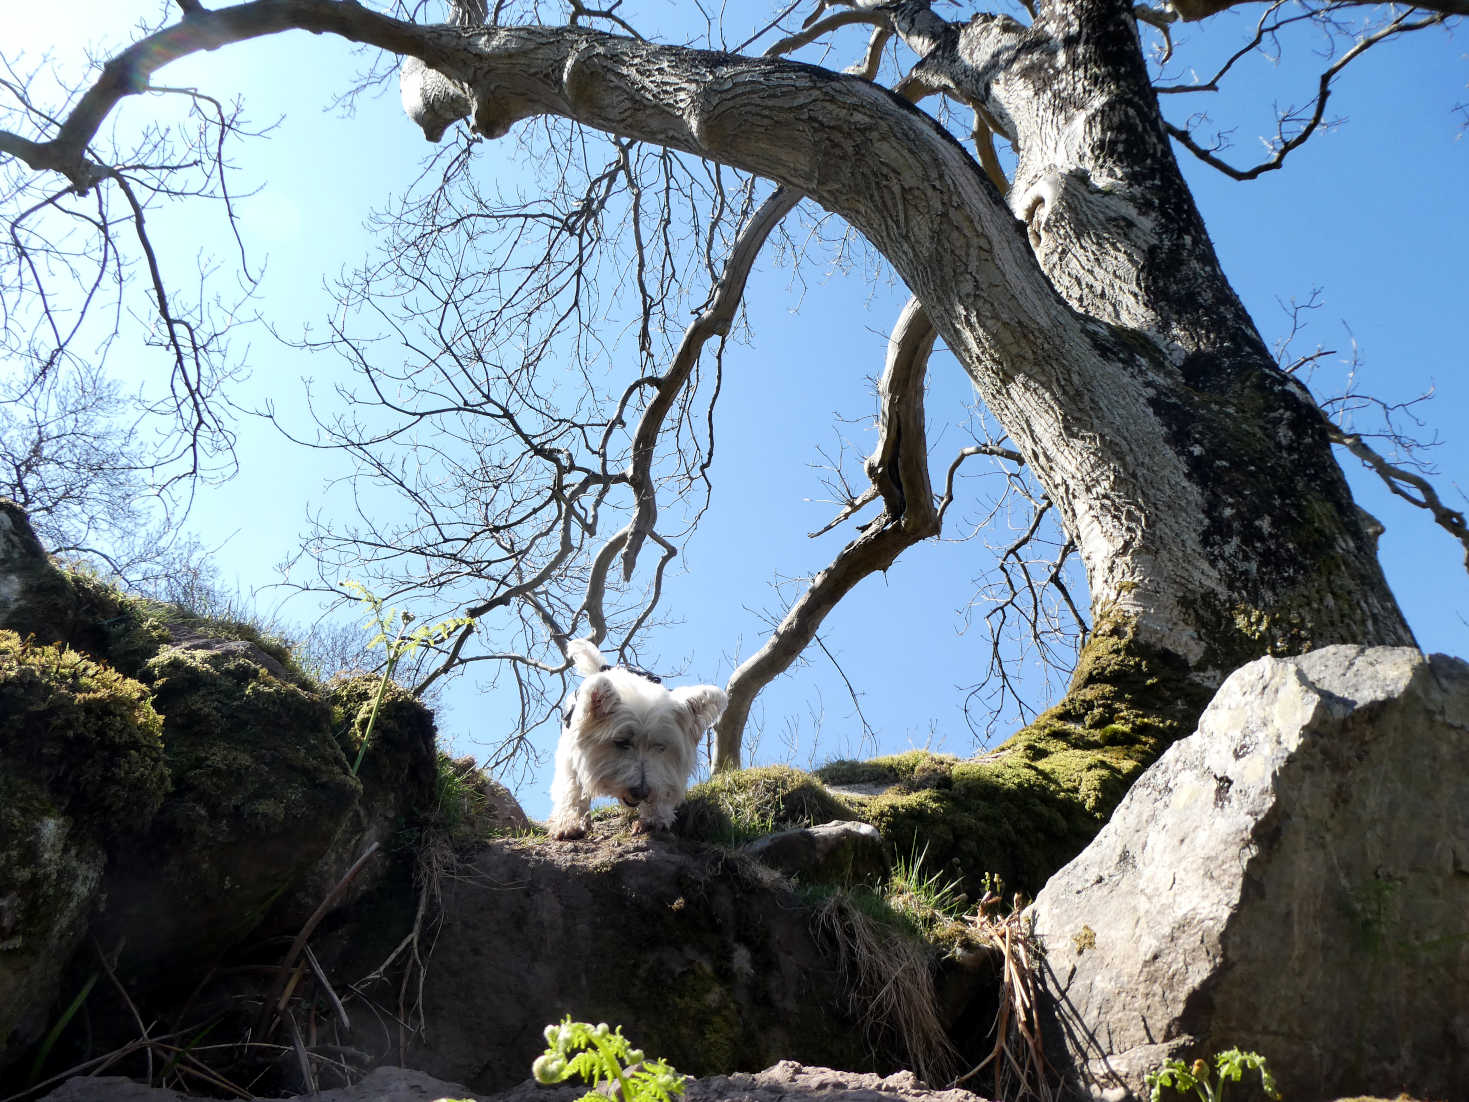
{"points": [[599, 1054]]}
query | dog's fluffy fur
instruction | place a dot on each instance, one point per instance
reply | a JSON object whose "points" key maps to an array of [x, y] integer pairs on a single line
{"points": [[627, 737]]}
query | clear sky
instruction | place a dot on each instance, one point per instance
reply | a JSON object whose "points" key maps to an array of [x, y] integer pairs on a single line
{"points": [[1371, 214]]}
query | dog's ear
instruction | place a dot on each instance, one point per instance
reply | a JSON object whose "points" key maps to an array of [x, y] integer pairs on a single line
{"points": [[585, 656], [598, 696], [704, 702]]}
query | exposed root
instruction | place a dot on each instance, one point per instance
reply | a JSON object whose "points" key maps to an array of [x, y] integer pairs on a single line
{"points": [[411, 955], [1018, 1058]]}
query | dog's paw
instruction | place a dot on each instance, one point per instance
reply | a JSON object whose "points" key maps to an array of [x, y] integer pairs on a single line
{"points": [[643, 826], [567, 832]]}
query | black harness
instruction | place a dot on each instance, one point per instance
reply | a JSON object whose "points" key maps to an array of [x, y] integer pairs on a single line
{"points": [[568, 710]]}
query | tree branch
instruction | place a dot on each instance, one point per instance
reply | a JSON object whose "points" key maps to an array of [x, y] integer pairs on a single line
{"points": [[1403, 482], [1284, 146], [898, 468]]}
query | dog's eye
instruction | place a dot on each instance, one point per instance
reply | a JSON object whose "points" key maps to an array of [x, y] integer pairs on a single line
{"points": [[622, 743]]}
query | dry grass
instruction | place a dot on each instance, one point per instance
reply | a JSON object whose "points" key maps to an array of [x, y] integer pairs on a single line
{"points": [[889, 978]]}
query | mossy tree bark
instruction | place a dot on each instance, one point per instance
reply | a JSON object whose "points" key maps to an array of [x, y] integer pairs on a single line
{"points": [[1195, 478]]}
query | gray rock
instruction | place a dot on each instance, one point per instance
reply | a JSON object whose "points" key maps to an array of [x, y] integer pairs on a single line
{"points": [[832, 853], [1292, 879], [780, 1083], [34, 597], [502, 808], [187, 636], [384, 1084]]}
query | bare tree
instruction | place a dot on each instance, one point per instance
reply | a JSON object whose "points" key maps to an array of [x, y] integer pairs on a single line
{"points": [[72, 455], [1035, 211]]}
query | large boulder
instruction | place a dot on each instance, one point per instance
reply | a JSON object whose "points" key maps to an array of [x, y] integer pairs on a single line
{"points": [[167, 781], [34, 597], [399, 778], [1292, 879]]}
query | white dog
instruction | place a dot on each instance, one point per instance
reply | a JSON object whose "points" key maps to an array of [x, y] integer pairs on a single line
{"points": [[624, 735]]}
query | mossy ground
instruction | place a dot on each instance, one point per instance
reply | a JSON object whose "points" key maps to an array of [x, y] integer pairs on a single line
{"points": [[916, 767], [124, 630], [1020, 811]]}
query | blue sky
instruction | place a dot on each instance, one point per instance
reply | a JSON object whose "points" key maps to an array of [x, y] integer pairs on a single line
{"points": [[1371, 215]]}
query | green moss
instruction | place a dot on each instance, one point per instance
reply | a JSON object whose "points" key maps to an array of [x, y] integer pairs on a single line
{"points": [[1032, 804], [245, 747], [403, 757], [700, 998], [119, 629], [84, 732], [738, 805], [1020, 811]]}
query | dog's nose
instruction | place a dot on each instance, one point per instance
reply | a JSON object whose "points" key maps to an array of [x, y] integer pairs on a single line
{"points": [[639, 792]]}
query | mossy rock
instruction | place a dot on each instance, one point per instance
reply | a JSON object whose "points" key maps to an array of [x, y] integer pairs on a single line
{"points": [[50, 883], [1020, 811], [1028, 807], [71, 605], [86, 734], [261, 789], [118, 629], [398, 802], [742, 804], [401, 759], [35, 599], [703, 958], [81, 770]]}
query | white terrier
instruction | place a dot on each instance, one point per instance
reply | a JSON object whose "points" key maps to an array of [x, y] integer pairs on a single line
{"points": [[625, 735]]}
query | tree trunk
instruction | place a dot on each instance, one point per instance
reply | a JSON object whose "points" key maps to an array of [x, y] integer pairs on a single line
{"points": [[1195, 477]]}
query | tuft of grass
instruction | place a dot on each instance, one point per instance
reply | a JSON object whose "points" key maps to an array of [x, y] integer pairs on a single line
{"points": [[929, 901], [459, 795], [58, 1027]]}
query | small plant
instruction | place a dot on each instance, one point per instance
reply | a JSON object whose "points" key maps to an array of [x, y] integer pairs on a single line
{"points": [[392, 632], [602, 1055], [1207, 1083]]}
